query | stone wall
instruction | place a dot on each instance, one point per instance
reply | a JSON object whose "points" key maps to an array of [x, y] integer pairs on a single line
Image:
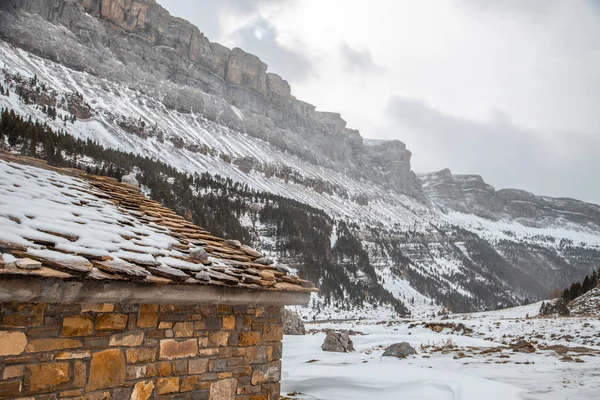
{"points": [[106, 351]]}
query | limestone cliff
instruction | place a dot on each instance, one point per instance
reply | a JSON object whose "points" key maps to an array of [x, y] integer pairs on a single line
{"points": [[138, 43]]}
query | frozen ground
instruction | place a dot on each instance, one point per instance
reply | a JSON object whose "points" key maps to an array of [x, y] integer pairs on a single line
{"points": [[454, 363]]}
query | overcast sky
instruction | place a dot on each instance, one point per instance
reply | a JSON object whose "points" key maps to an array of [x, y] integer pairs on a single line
{"points": [[506, 89]]}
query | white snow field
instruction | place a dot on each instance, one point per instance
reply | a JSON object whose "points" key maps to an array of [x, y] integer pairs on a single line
{"points": [[452, 364]]}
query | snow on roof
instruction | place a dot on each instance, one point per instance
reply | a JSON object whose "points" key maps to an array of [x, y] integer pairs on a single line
{"points": [[61, 223]]}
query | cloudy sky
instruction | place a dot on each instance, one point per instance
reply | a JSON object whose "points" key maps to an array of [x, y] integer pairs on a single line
{"points": [[507, 89]]}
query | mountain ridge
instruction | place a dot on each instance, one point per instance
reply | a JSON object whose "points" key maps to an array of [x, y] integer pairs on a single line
{"points": [[430, 240]]}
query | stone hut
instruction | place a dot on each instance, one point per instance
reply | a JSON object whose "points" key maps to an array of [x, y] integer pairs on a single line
{"points": [[105, 294]]}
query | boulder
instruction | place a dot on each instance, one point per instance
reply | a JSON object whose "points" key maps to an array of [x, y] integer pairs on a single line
{"points": [[400, 350], [292, 323], [338, 342], [522, 346]]}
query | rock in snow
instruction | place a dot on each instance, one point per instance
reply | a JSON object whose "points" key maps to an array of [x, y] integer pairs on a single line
{"points": [[400, 350], [292, 324], [339, 342]]}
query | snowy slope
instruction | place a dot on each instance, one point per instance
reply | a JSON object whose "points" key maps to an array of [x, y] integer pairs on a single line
{"points": [[453, 366], [423, 254]]}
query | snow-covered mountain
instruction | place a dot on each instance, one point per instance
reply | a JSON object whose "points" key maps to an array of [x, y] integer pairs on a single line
{"points": [[131, 77]]}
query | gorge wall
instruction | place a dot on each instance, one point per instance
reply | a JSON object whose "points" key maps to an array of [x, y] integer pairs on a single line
{"points": [[138, 43]]}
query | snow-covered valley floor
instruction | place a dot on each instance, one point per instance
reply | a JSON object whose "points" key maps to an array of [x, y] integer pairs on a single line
{"points": [[453, 364]]}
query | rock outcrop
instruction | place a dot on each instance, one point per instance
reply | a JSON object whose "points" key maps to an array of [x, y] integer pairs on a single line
{"points": [[338, 342], [587, 304], [470, 194], [399, 350], [292, 323]]}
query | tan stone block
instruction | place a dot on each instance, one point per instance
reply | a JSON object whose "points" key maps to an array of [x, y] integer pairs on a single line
{"points": [[226, 352], [216, 339], [73, 355], [18, 360], [272, 333], [107, 369], [265, 373], [111, 322], [142, 390], [224, 375], [10, 390], [12, 371], [194, 383], [248, 389], [223, 308], [143, 355], [134, 372], [97, 396], [223, 389], [203, 342], [197, 366], [71, 393], [183, 329], [80, 374], [46, 345], [257, 354], [199, 325], [97, 307], [77, 325], [164, 368], [12, 343], [129, 339], [249, 338], [260, 397], [239, 351], [152, 370], [47, 377], [23, 314], [148, 316], [171, 349], [208, 352], [167, 385], [165, 325], [229, 322]]}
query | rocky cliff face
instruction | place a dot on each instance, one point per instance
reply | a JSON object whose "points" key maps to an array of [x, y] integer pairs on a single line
{"points": [[471, 195], [138, 43]]}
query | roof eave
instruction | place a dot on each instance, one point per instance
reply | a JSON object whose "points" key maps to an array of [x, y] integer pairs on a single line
{"points": [[13, 289]]}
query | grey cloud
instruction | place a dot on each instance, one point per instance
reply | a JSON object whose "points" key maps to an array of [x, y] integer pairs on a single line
{"points": [[260, 38], [506, 155], [205, 13], [357, 61], [530, 8]]}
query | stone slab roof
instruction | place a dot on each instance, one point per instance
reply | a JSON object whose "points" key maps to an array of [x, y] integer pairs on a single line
{"points": [[66, 225]]}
